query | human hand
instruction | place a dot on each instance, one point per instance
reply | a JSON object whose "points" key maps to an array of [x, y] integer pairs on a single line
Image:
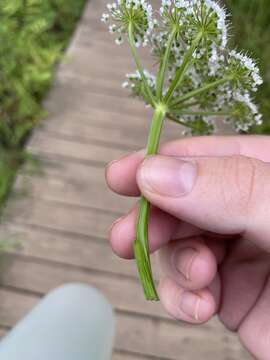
{"points": [[211, 218]]}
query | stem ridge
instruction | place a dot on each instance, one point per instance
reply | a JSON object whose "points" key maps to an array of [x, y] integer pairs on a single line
{"points": [[141, 244]]}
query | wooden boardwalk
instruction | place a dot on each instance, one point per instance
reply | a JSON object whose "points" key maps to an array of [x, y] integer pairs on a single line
{"points": [[63, 218]]}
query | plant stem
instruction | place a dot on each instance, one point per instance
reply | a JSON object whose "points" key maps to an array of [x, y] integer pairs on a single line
{"points": [[203, 113], [141, 244], [164, 65], [180, 122], [183, 68], [139, 65], [199, 91]]}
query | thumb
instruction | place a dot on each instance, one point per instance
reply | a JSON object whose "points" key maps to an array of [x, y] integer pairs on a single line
{"points": [[226, 195]]}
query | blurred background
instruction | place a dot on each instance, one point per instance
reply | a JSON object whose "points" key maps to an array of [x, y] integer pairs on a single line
{"points": [[85, 123], [33, 36], [251, 32]]}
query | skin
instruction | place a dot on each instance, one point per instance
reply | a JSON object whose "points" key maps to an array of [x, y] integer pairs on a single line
{"points": [[211, 224]]}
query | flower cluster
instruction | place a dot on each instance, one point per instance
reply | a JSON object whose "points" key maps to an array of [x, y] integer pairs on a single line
{"points": [[135, 83], [134, 79], [190, 17], [227, 78], [231, 99], [135, 13], [246, 71], [244, 113]]}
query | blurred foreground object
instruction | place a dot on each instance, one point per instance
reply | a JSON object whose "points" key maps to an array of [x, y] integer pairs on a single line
{"points": [[74, 322]]}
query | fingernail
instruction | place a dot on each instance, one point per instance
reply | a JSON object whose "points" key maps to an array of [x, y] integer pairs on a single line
{"points": [[128, 156], [108, 166], [111, 163], [190, 304], [116, 222], [167, 176], [183, 261]]}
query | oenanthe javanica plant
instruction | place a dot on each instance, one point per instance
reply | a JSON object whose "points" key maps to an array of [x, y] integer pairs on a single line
{"points": [[198, 79]]}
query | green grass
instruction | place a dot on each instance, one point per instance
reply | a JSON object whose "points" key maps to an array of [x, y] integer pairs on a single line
{"points": [[251, 27], [33, 36]]}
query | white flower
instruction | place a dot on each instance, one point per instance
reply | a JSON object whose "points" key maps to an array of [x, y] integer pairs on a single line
{"points": [[134, 77], [105, 17], [122, 13], [244, 113], [119, 40], [188, 16], [134, 81], [252, 76], [245, 99], [112, 28], [125, 84], [235, 75]]}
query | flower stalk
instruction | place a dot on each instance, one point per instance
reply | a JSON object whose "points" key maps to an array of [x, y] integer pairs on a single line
{"points": [[200, 91], [164, 65], [141, 244], [183, 68], [138, 63]]}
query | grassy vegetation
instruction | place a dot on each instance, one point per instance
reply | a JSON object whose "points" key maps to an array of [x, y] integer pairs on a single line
{"points": [[33, 35], [251, 26]]}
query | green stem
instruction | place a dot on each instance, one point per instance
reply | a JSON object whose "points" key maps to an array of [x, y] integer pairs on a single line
{"points": [[199, 91], [183, 68], [139, 65], [164, 66], [141, 244], [188, 105], [179, 122], [203, 113]]}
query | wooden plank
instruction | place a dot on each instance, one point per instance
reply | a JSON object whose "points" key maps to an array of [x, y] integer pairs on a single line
{"points": [[62, 183], [82, 117], [34, 275], [41, 144], [96, 117], [44, 144], [51, 144], [59, 216], [70, 235], [68, 249], [127, 135], [145, 336], [163, 339], [86, 60], [98, 85], [96, 145], [125, 355], [132, 138], [14, 306], [78, 97]]}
